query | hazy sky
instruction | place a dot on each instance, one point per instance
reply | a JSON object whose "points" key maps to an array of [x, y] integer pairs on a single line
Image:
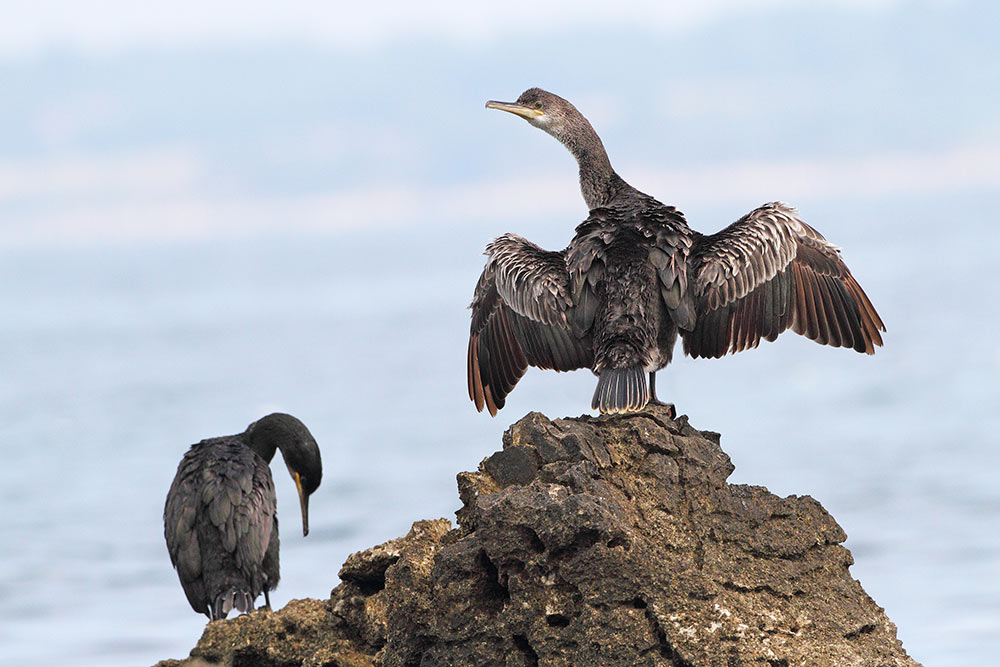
{"points": [[130, 121], [111, 25]]}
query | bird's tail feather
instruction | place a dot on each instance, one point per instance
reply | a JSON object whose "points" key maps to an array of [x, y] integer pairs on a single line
{"points": [[234, 598], [621, 390]]}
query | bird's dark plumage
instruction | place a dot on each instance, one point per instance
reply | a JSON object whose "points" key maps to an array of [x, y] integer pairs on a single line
{"points": [[220, 520], [635, 276]]}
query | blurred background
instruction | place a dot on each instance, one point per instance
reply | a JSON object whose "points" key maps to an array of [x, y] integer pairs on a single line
{"points": [[211, 211]]}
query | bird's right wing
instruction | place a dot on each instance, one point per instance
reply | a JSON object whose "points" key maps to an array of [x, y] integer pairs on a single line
{"points": [[521, 316], [768, 272], [253, 519]]}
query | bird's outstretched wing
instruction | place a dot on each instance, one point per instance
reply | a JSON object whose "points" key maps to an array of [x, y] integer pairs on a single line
{"points": [[521, 316], [768, 272]]}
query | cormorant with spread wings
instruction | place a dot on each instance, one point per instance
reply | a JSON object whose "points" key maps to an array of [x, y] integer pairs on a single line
{"points": [[635, 275]]}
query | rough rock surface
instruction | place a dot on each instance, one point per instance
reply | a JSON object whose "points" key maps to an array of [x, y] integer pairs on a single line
{"points": [[590, 541]]}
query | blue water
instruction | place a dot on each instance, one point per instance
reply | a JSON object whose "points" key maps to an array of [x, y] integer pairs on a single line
{"points": [[115, 358]]}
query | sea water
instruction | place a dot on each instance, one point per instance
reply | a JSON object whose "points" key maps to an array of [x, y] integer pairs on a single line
{"points": [[115, 358]]}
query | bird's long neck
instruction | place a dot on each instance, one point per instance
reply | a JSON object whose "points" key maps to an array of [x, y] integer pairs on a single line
{"points": [[261, 438], [598, 181]]}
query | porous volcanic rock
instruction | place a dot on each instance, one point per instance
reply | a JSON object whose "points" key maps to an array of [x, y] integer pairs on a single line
{"points": [[591, 541]]}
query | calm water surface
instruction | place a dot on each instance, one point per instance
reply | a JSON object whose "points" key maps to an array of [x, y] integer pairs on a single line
{"points": [[115, 359]]}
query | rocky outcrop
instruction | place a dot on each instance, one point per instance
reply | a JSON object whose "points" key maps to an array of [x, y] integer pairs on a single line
{"points": [[590, 541]]}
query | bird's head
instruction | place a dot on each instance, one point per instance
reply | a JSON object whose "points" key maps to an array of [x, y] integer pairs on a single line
{"points": [[548, 112], [298, 449]]}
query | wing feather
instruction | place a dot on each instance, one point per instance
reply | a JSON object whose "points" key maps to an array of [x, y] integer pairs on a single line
{"points": [[830, 304], [522, 314], [769, 272], [179, 520], [770, 313], [220, 506]]}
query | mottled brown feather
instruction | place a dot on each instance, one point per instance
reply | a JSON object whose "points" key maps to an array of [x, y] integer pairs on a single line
{"points": [[520, 317], [768, 272]]}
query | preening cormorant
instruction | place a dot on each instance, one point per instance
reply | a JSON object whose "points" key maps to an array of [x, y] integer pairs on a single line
{"points": [[635, 275], [220, 518]]}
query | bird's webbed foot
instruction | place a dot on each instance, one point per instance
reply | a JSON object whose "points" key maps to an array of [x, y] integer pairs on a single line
{"points": [[653, 400], [660, 404]]}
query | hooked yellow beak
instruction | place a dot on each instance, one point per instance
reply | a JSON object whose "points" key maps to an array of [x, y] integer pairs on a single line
{"points": [[517, 109], [303, 503]]}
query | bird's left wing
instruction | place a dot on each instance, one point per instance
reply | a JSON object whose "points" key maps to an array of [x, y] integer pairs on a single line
{"points": [[768, 272], [180, 515], [521, 316]]}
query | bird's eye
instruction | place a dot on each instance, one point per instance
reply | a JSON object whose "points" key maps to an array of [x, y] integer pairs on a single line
{"points": [[538, 105]]}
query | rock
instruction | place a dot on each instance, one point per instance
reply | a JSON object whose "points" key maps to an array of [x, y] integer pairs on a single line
{"points": [[304, 632], [591, 541]]}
